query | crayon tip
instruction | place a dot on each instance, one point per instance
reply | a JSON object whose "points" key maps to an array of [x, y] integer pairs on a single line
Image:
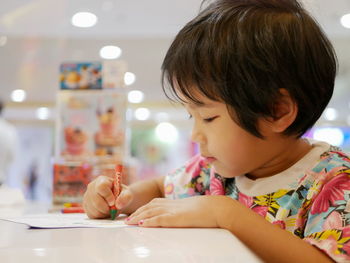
{"points": [[119, 168], [113, 213]]}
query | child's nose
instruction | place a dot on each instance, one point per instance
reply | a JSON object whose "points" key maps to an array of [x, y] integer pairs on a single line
{"points": [[197, 136]]}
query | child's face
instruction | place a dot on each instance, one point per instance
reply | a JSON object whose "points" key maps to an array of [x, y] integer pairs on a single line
{"points": [[232, 150]]}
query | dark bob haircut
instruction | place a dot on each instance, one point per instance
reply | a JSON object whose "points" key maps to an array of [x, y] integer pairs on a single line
{"points": [[243, 52]]}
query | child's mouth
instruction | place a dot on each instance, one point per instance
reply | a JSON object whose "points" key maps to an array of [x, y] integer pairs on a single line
{"points": [[210, 159]]}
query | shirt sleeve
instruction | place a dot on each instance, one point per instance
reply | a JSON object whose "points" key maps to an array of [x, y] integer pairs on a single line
{"points": [[189, 180], [328, 223]]}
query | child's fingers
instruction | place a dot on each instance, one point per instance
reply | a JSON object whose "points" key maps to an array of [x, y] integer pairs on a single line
{"points": [[99, 204], [103, 187], [96, 207], [98, 197], [163, 220], [124, 198], [145, 214]]}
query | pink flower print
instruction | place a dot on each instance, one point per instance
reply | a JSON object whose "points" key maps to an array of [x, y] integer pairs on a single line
{"points": [[346, 247], [280, 223], [193, 166], [216, 186], [169, 189], [246, 200], [333, 221], [249, 202], [346, 231], [261, 210], [335, 172], [345, 234], [198, 187], [330, 193]]}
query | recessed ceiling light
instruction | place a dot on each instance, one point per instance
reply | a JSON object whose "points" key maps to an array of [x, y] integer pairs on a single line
{"points": [[345, 21], [84, 19], [110, 52], [129, 78], [135, 96], [42, 113], [18, 95], [142, 114]]}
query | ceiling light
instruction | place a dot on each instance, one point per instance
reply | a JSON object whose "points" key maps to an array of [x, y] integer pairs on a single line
{"points": [[110, 52], [135, 96], [42, 113], [84, 19], [142, 114], [345, 20], [129, 78], [18, 95]]}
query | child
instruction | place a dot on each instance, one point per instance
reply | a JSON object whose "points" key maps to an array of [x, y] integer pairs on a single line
{"points": [[254, 76]]}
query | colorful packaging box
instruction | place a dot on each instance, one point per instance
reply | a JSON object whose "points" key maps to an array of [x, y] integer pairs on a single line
{"points": [[70, 181], [81, 76]]}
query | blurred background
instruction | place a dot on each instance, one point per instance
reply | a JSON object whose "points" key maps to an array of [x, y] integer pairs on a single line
{"points": [[36, 36]]}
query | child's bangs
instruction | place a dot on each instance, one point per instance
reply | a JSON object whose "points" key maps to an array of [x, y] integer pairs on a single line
{"points": [[187, 86], [185, 72]]}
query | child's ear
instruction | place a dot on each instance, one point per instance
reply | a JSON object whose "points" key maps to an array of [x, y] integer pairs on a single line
{"points": [[285, 112]]}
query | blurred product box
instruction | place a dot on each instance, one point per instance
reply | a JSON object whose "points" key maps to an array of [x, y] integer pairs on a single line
{"points": [[90, 126]]}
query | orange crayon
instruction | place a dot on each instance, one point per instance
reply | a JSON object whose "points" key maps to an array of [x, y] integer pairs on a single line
{"points": [[117, 186], [69, 210]]}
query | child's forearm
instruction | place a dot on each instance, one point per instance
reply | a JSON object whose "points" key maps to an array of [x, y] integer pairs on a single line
{"points": [[269, 242], [143, 192]]}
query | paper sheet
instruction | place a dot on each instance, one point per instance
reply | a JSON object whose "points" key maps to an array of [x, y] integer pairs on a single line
{"points": [[64, 221]]}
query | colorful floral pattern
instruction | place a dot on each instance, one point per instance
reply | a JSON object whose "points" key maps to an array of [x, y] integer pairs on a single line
{"points": [[316, 208]]}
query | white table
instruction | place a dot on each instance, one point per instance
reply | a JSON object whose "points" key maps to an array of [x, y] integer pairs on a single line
{"points": [[131, 244]]}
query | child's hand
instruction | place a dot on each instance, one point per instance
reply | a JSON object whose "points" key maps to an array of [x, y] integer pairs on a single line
{"points": [[197, 211], [99, 197]]}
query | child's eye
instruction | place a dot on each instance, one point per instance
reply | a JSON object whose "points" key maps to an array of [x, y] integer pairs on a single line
{"points": [[189, 116], [210, 119]]}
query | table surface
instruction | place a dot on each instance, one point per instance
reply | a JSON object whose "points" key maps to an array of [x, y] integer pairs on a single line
{"points": [[129, 244]]}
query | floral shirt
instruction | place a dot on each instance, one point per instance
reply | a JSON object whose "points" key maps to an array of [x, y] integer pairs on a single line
{"points": [[311, 199]]}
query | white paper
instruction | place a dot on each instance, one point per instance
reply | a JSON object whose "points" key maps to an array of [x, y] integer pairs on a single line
{"points": [[64, 221]]}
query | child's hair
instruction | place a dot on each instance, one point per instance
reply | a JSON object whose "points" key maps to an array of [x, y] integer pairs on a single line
{"points": [[243, 52]]}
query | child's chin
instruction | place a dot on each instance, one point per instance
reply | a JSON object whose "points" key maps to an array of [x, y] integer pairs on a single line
{"points": [[222, 171]]}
